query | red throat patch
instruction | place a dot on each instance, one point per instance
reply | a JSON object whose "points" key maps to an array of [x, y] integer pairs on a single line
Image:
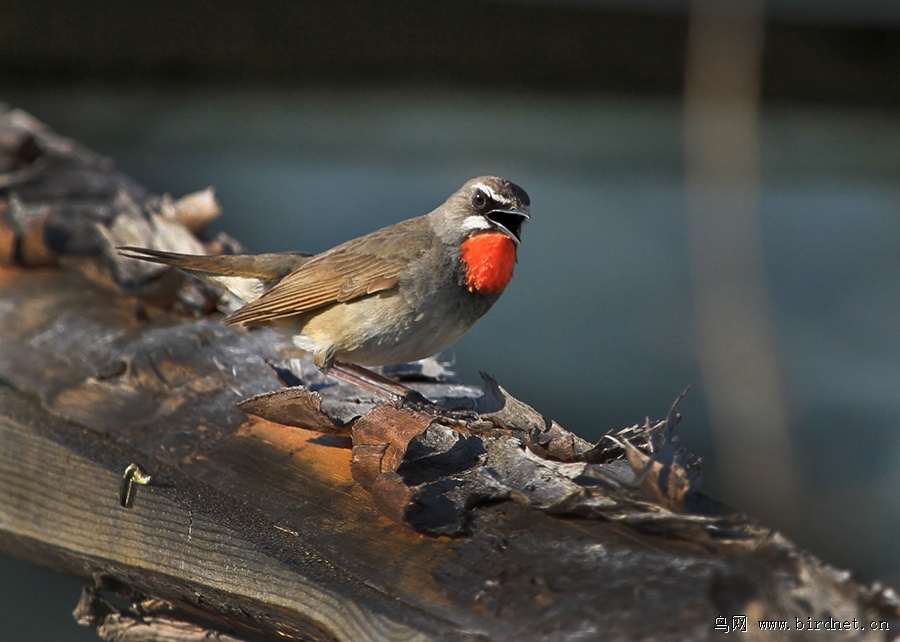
{"points": [[489, 259]]}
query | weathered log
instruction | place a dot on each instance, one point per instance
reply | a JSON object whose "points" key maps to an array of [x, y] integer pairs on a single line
{"points": [[125, 459]]}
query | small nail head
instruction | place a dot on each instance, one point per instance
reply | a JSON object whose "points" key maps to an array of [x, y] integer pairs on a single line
{"points": [[133, 474]]}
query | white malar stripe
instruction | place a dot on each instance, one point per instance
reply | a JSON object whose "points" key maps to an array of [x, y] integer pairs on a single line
{"points": [[477, 222], [498, 198]]}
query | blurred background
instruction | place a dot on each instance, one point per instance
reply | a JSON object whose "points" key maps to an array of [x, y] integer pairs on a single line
{"points": [[715, 196]]}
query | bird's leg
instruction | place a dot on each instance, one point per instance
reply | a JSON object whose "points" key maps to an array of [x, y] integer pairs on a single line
{"points": [[398, 394], [373, 382]]}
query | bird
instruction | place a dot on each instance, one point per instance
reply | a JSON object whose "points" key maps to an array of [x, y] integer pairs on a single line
{"points": [[399, 294]]}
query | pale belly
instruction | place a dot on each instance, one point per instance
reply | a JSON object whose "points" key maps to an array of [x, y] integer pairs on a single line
{"points": [[385, 329]]}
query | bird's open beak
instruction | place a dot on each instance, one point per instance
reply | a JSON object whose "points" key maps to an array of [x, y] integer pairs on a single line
{"points": [[509, 222]]}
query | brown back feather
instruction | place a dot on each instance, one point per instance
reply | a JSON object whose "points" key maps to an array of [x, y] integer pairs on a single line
{"points": [[354, 269]]}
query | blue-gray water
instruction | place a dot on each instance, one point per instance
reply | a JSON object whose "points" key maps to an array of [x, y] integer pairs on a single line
{"points": [[596, 327]]}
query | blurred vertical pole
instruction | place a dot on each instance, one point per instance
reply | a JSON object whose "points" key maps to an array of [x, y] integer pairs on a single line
{"points": [[739, 366]]}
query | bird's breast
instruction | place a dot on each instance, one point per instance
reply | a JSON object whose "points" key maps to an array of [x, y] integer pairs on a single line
{"points": [[488, 260]]}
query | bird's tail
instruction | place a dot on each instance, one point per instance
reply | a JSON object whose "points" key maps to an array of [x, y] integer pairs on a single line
{"points": [[247, 276]]}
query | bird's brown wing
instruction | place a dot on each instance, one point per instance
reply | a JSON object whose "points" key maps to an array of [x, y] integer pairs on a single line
{"points": [[354, 269]]}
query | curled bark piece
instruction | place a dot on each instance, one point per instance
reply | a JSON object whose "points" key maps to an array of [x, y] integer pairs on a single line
{"points": [[295, 406], [380, 438], [196, 211], [541, 435], [390, 492]]}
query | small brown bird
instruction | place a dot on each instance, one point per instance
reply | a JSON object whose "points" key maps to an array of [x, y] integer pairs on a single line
{"points": [[398, 294]]}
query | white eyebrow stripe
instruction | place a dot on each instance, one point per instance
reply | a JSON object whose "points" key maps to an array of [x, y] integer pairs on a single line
{"points": [[476, 222], [494, 195]]}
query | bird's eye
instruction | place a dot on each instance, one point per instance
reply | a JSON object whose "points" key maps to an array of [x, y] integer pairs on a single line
{"points": [[479, 200]]}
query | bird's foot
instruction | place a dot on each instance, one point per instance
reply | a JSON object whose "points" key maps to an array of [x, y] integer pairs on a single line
{"points": [[396, 393], [417, 402]]}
